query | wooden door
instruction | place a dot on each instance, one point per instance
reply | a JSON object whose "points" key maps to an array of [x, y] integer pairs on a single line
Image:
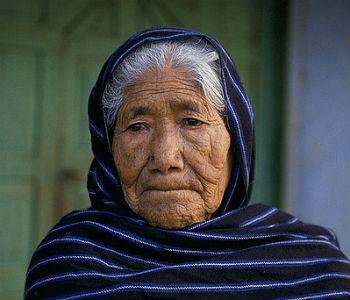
{"points": [[50, 55], [19, 156]]}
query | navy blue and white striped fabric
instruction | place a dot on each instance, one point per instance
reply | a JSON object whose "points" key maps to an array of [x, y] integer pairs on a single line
{"points": [[244, 252]]}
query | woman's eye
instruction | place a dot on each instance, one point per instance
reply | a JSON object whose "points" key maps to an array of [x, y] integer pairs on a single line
{"points": [[191, 122], [136, 127]]}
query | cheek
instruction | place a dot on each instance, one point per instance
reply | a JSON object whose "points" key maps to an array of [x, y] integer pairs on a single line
{"points": [[196, 146], [130, 155], [220, 146], [207, 153]]}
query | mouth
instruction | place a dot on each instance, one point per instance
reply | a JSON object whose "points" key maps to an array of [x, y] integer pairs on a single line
{"points": [[168, 196], [169, 186]]}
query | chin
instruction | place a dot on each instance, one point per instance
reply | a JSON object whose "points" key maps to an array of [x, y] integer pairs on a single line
{"points": [[174, 223], [172, 209]]}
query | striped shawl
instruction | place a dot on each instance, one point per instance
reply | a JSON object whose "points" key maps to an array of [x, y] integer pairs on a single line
{"points": [[244, 252]]}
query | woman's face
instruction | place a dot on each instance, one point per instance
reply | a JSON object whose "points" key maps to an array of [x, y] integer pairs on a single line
{"points": [[171, 149]]}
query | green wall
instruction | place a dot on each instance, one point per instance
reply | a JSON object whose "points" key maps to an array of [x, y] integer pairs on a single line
{"points": [[50, 54]]}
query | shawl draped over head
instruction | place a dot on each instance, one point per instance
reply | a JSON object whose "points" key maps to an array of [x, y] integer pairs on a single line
{"points": [[243, 252]]}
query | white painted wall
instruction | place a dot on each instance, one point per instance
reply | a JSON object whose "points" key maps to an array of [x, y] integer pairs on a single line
{"points": [[317, 184]]}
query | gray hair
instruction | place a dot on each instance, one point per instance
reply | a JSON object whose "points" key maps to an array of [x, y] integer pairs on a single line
{"points": [[196, 57]]}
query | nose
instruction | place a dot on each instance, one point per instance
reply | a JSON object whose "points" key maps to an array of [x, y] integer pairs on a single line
{"points": [[166, 151]]}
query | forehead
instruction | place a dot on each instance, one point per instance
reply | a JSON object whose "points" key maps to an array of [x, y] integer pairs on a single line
{"points": [[174, 88]]}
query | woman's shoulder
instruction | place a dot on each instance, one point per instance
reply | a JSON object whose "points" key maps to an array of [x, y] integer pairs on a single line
{"points": [[265, 217], [68, 247]]}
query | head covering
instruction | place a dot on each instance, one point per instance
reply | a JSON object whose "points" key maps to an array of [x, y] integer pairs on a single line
{"points": [[104, 186], [109, 252]]}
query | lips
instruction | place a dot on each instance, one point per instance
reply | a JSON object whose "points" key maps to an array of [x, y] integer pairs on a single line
{"points": [[165, 189], [170, 185], [156, 182]]}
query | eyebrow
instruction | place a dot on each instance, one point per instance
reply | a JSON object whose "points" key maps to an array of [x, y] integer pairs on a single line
{"points": [[139, 111], [142, 110], [185, 106]]}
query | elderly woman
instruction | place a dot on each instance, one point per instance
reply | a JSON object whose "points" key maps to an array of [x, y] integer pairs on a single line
{"points": [[173, 140]]}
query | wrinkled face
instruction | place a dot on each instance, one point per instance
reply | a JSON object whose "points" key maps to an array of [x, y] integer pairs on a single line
{"points": [[171, 150]]}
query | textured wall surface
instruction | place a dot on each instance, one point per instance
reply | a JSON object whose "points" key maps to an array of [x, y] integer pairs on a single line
{"points": [[318, 151]]}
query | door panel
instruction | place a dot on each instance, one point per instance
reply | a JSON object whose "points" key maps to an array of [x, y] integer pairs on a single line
{"points": [[19, 90], [19, 117], [16, 206]]}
